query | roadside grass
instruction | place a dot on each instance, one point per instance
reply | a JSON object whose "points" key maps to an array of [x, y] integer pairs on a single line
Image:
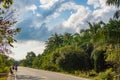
{"points": [[3, 78], [81, 74]]}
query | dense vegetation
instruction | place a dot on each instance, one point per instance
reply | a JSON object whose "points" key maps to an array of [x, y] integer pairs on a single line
{"points": [[94, 49], [5, 63]]}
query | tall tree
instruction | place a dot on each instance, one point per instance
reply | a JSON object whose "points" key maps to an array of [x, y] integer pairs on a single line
{"points": [[29, 58], [53, 42], [117, 4], [7, 29], [67, 39]]}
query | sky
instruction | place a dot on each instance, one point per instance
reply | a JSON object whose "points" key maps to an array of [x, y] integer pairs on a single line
{"points": [[39, 19]]}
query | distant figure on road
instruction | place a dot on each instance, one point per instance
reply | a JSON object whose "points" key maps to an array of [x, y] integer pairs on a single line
{"points": [[15, 67]]}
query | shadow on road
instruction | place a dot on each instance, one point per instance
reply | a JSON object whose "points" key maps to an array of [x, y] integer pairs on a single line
{"points": [[28, 77]]}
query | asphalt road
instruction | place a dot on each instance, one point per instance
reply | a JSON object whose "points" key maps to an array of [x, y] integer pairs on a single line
{"points": [[24, 73]]}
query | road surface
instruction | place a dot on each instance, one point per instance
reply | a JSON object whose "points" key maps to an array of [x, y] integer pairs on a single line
{"points": [[24, 73]]}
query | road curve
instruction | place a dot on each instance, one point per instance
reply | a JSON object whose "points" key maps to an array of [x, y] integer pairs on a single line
{"points": [[24, 73]]}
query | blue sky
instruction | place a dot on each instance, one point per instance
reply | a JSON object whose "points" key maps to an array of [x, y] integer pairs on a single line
{"points": [[39, 19]]}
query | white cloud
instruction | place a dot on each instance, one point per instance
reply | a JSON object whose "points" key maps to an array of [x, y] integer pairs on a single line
{"points": [[104, 12], [68, 6], [95, 3], [21, 48], [77, 19], [63, 7], [31, 7], [38, 15], [47, 4], [101, 10], [103, 3]]}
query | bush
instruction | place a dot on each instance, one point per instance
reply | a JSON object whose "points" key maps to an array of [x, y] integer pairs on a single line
{"points": [[92, 73], [81, 74], [51, 67], [4, 70], [70, 58], [107, 75]]}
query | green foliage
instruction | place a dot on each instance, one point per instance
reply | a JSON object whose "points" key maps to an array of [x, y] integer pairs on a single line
{"points": [[70, 57], [30, 56], [88, 48], [36, 62], [107, 75], [113, 56], [4, 69], [7, 29], [5, 63], [99, 60], [47, 64], [6, 3], [23, 63], [51, 67], [112, 31], [29, 59], [3, 60], [113, 2], [92, 73]]}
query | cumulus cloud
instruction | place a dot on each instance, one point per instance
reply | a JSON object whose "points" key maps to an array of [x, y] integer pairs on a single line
{"points": [[104, 12], [68, 6], [62, 7], [95, 3], [78, 18], [53, 10], [22, 47], [47, 4], [31, 7]]}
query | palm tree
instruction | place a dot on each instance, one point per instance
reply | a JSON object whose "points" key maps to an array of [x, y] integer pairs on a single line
{"points": [[95, 31], [113, 2], [76, 39], [54, 42], [117, 4], [67, 39]]}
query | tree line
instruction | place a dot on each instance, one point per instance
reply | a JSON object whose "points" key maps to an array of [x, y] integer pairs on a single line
{"points": [[96, 48]]}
